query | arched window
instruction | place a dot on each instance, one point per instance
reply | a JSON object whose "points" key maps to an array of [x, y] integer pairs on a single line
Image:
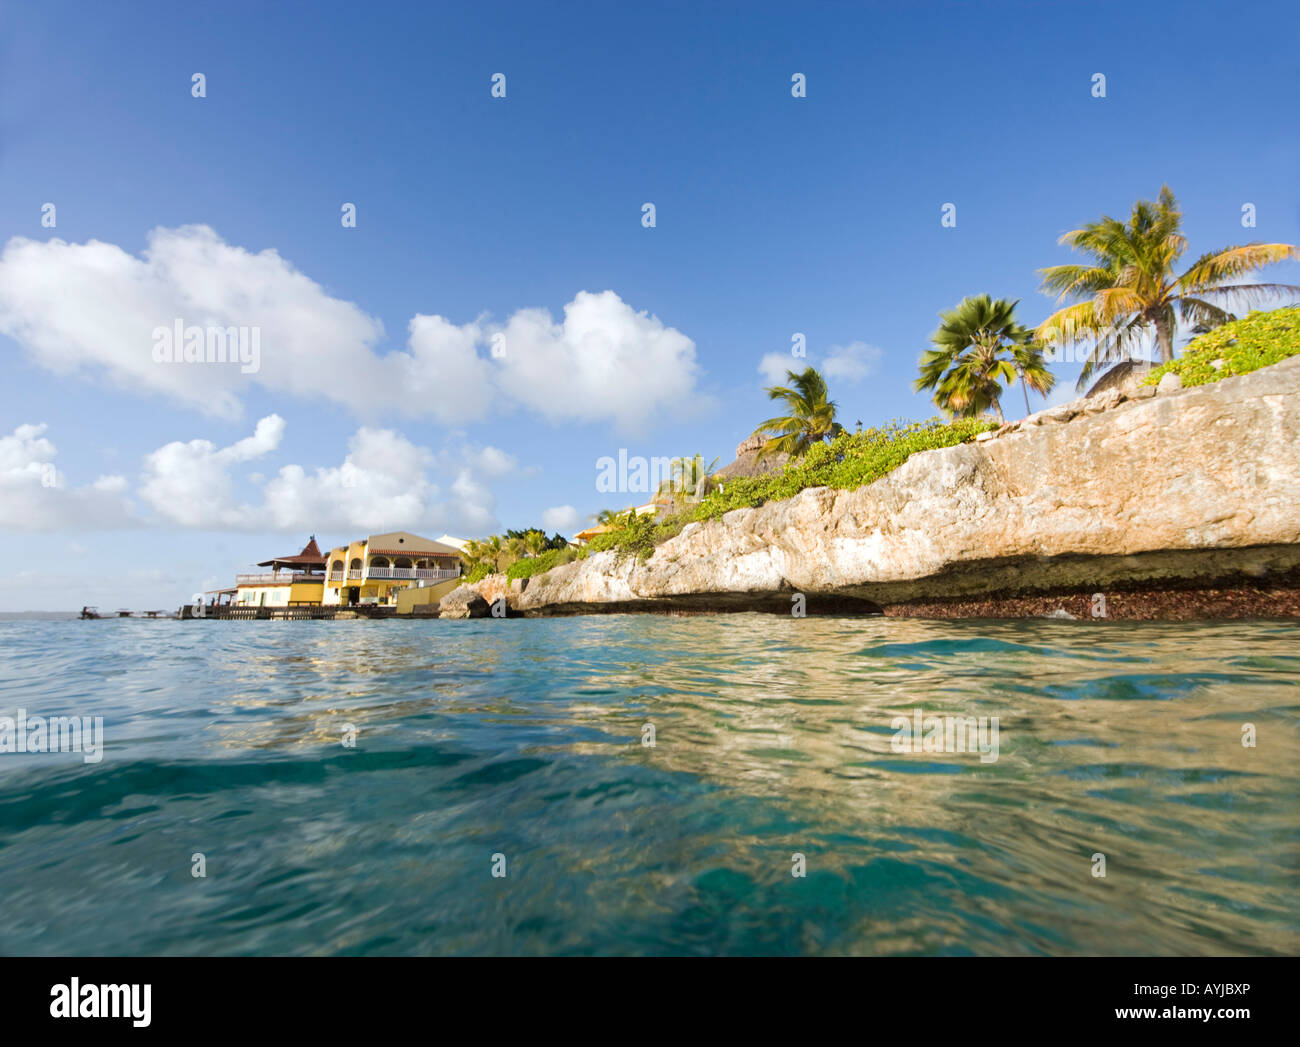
{"points": [[379, 561], [402, 561], [355, 565], [336, 567]]}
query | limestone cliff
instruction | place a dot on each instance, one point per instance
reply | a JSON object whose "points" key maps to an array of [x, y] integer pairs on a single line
{"points": [[1191, 491]]}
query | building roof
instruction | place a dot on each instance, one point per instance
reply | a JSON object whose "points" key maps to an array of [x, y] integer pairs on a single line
{"points": [[311, 556]]}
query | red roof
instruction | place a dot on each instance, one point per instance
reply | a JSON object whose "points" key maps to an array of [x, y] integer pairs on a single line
{"points": [[311, 556]]}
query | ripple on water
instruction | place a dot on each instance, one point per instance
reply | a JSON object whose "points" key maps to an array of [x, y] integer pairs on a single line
{"points": [[772, 737]]}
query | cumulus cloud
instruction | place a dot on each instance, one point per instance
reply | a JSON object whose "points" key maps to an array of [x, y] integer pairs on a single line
{"points": [[846, 363], [94, 308], [852, 362], [35, 496], [562, 519], [773, 367], [604, 362], [384, 482], [190, 483]]}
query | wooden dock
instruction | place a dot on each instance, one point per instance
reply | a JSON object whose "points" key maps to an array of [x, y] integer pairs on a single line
{"points": [[269, 614]]}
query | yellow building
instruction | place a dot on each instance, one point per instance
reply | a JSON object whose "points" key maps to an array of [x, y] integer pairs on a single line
{"points": [[294, 581], [374, 570]]}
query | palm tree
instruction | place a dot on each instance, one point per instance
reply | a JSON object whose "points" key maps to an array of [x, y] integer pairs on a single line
{"points": [[1127, 294], [473, 552], [811, 419], [534, 542], [1031, 364], [608, 517], [686, 477], [494, 550], [978, 345]]}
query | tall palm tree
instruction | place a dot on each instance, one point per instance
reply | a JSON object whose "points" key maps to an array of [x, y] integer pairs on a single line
{"points": [[1128, 294], [534, 543], [977, 346], [473, 552], [494, 549], [608, 517], [811, 419], [686, 477], [1031, 364]]}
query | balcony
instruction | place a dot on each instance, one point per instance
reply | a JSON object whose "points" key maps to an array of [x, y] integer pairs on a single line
{"points": [[427, 574], [269, 579]]}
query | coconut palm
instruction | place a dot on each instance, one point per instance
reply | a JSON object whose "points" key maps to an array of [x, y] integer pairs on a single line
{"points": [[1031, 364], [535, 542], [1128, 295], [686, 477], [494, 550], [977, 346], [811, 419], [473, 552]]}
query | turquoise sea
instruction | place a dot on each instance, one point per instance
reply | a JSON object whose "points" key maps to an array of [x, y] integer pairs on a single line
{"points": [[523, 739]]}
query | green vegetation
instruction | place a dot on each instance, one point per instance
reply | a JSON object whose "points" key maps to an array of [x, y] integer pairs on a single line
{"points": [[1244, 345], [498, 552], [811, 419], [536, 565], [849, 461], [1129, 292], [686, 479], [477, 573], [979, 345]]}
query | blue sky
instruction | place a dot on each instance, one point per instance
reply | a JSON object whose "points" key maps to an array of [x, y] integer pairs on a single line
{"points": [[774, 215]]}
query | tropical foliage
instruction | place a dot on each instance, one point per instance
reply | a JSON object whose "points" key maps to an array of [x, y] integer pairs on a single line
{"points": [[1239, 347], [497, 552], [540, 564], [849, 461], [810, 419], [1128, 296], [686, 479], [977, 347]]}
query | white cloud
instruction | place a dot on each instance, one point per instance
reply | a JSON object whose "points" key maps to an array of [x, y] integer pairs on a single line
{"points": [[605, 362], [93, 308], [563, 519], [384, 482], [845, 363], [190, 483], [852, 362], [35, 496], [773, 367]]}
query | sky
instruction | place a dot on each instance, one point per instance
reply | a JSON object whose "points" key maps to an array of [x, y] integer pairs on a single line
{"points": [[500, 315]]}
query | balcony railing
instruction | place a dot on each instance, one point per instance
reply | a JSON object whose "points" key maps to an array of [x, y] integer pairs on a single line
{"points": [[428, 574], [355, 574], [267, 579]]}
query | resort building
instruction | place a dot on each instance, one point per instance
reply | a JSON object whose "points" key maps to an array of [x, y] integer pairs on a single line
{"points": [[588, 533], [375, 569], [296, 580]]}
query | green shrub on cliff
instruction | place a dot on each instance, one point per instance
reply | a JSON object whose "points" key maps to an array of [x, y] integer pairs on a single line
{"points": [[849, 461], [477, 573], [1256, 340], [540, 564]]}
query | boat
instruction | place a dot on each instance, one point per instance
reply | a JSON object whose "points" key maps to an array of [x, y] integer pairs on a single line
{"points": [[91, 612]]}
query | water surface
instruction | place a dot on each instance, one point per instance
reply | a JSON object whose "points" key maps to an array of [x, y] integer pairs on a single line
{"points": [[523, 738]]}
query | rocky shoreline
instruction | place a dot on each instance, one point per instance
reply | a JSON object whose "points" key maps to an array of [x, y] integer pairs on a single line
{"points": [[1170, 504]]}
